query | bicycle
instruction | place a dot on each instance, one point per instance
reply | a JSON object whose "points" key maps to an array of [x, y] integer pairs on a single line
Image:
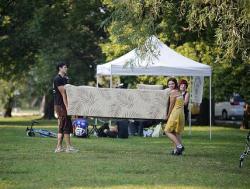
{"points": [[42, 132], [246, 151]]}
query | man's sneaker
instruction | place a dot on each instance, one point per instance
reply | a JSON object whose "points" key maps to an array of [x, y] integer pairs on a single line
{"points": [[58, 150], [71, 149]]}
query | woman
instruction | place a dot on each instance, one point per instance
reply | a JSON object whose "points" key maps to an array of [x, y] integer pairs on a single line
{"points": [[175, 118], [183, 88]]}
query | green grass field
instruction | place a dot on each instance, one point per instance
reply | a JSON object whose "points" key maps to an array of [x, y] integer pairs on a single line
{"points": [[137, 162]]}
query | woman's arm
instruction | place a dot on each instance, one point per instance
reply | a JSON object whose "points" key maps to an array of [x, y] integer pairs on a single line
{"points": [[186, 100]]}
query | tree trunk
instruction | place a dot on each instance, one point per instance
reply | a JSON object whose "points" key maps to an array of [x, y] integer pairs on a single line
{"points": [[49, 107], [8, 107]]}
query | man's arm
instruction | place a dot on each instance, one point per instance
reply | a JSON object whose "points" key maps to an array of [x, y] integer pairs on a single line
{"points": [[63, 93]]}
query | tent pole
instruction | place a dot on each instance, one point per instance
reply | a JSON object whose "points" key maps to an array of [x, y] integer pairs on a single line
{"points": [[190, 108], [97, 81], [210, 108], [97, 86], [110, 85]]}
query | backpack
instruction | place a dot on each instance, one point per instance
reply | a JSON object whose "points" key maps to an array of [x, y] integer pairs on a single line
{"points": [[80, 128]]}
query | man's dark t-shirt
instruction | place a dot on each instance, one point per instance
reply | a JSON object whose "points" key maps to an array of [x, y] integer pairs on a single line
{"points": [[58, 81]]}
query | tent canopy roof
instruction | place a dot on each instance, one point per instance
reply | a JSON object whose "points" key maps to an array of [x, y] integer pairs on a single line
{"points": [[166, 63]]}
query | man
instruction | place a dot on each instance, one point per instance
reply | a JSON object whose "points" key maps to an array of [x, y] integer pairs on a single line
{"points": [[246, 116], [61, 106]]}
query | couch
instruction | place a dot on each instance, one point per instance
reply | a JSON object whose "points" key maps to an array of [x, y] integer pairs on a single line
{"points": [[117, 103]]}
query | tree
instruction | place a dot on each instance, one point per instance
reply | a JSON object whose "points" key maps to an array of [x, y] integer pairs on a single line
{"points": [[36, 35], [211, 32], [17, 50], [9, 91], [69, 31]]}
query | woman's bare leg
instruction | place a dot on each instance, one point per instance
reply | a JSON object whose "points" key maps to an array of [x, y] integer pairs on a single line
{"points": [[173, 138]]}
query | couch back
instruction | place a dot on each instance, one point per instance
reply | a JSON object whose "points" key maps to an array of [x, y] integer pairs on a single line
{"points": [[150, 87], [117, 103]]}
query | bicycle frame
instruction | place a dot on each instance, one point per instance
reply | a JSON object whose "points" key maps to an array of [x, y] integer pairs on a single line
{"points": [[42, 132], [246, 151]]}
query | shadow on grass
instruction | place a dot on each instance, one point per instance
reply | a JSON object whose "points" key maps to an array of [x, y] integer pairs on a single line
{"points": [[26, 121]]}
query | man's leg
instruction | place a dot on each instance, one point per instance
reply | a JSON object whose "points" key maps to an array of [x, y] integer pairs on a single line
{"points": [[59, 140], [67, 140], [59, 147], [67, 131], [60, 121]]}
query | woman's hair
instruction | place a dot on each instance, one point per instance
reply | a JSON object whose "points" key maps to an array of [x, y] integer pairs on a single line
{"points": [[183, 81], [175, 82]]}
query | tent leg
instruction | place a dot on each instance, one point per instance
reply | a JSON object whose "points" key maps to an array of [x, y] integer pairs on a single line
{"points": [[210, 109], [110, 85], [190, 109], [97, 86], [110, 82]]}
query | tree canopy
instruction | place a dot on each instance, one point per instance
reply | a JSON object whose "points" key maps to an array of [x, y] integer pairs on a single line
{"points": [[35, 35], [211, 32]]}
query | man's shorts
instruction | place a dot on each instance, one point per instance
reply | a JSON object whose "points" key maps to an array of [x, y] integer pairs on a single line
{"points": [[64, 121]]}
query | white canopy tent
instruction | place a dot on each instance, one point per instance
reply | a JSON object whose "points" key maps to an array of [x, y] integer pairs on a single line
{"points": [[162, 62]]}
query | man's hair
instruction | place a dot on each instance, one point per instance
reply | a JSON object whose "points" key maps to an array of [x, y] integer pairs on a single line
{"points": [[60, 65]]}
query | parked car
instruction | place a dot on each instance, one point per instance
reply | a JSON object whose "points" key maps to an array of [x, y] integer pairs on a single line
{"points": [[232, 109]]}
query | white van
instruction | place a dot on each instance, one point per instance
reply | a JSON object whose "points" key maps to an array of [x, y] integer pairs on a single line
{"points": [[232, 109]]}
